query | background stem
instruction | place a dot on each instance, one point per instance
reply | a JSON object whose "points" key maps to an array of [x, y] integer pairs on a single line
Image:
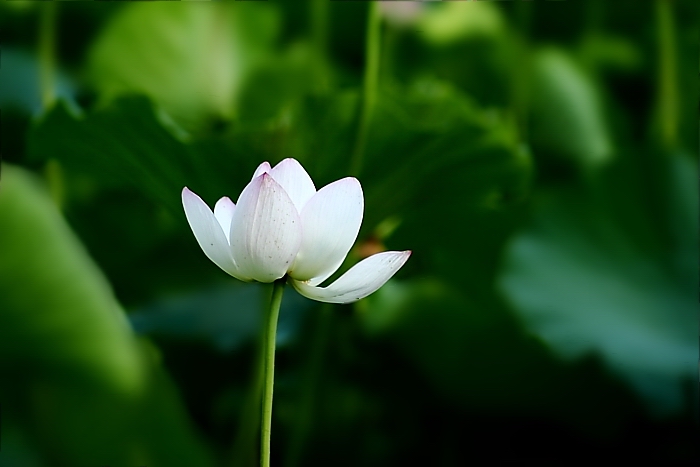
{"points": [[369, 89], [667, 113], [319, 34], [47, 52], [269, 369], [46, 45]]}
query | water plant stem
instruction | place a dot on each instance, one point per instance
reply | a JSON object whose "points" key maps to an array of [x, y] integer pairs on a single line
{"points": [[47, 52], [318, 19], [667, 97], [268, 361], [369, 87]]}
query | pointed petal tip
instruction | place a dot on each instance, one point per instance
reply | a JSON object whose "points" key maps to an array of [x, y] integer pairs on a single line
{"points": [[359, 281], [189, 195], [262, 168], [401, 256]]}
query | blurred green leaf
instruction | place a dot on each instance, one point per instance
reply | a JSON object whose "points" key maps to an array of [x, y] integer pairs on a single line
{"points": [[568, 119], [274, 87], [603, 52], [451, 174], [83, 386], [139, 153], [19, 83], [16, 448], [588, 284], [466, 44], [476, 355], [190, 58], [420, 135], [227, 317], [143, 154], [451, 22], [430, 147]]}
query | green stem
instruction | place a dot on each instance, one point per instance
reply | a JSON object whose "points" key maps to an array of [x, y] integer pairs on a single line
{"points": [[47, 72], [319, 33], [667, 78], [521, 70], [47, 52], [53, 172], [369, 91], [269, 369]]}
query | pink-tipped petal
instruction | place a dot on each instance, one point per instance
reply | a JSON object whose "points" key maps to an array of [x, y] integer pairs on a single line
{"points": [[361, 280], [265, 230], [262, 168], [209, 234], [296, 182], [330, 222], [223, 211]]}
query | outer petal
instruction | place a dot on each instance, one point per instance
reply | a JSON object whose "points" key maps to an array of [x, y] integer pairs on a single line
{"points": [[223, 211], [296, 182], [209, 234], [265, 230], [262, 168], [330, 222], [361, 280]]}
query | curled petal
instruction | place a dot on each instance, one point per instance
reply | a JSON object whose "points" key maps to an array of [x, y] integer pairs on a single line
{"points": [[361, 280], [296, 182], [209, 234], [330, 221], [265, 230], [223, 211]]}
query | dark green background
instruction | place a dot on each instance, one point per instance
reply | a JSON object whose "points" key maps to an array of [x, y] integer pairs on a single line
{"points": [[539, 159]]}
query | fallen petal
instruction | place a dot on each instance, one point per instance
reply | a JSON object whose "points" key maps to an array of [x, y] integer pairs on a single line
{"points": [[361, 280]]}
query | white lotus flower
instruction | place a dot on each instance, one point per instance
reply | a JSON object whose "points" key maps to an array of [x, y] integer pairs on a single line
{"points": [[281, 226]]}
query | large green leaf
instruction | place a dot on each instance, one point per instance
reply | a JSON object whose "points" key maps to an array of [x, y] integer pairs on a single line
{"points": [[430, 147], [142, 153], [568, 118], [82, 384], [464, 43], [476, 355], [189, 57], [458, 21], [226, 317], [588, 283]]}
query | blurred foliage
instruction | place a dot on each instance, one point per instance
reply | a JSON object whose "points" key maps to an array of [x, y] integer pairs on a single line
{"points": [[87, 390], [628, 302], [539, 158], [165, 61]]}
